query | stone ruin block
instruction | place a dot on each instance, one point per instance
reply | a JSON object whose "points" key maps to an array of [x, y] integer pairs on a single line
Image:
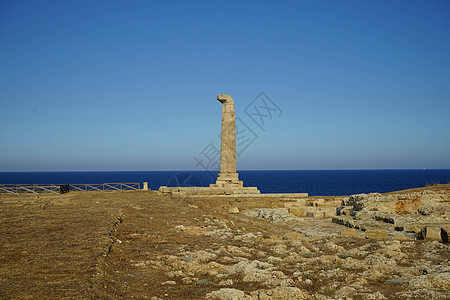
{"points": [[294, 204], [436, 233], [298, 211], [348, 232], [376, 234]]}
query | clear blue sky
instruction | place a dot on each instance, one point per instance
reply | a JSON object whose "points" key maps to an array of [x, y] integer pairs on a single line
{"points": [[132, 85]]}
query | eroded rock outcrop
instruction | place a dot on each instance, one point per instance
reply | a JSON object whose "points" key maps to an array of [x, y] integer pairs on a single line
{"points": [[415, 215]]}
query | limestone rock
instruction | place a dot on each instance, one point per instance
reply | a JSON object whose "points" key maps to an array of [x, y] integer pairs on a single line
{"points": [[345, 292], [227, 294], [298, 211], [375, 296], [201, 255], [281, 293], [233, 210], [348, 232], [332, 247], [274, 215], [257, 271], [376, 234], [194, 230], [433, 233]]}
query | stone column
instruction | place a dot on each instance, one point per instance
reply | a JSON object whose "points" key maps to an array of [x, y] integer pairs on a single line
{"points": [[228, 176]]}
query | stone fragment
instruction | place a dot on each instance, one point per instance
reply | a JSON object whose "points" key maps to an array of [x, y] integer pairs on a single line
{"points": [[348, 232], [226, 294], [298, 211], [188, 280], [375, 296], [403, 236], [282, 293], [195, 230], [202, 255], [433, 233], [328, 212], [312, 214], [376, 234], [425, 210], [258, 271], [345, 291], [233, 210], [226, 282]]}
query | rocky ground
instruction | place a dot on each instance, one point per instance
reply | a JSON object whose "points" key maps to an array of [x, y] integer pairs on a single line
{"points": [[141, 245]]}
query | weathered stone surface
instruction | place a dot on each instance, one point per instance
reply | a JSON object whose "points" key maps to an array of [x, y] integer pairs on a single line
{"points": [[257, 271], [227, 294], [298, 211], [328, 212], [403, 236], [185, 191], [282, 293], [233, 210], [274, 215], [298, 203], [417, 215], [227, 176], [348, 232], [278, 293], [292, 235], [376, 234], [433, 233]]}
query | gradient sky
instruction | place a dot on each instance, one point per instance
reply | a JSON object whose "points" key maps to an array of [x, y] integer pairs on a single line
{"points": [[132, 85]]}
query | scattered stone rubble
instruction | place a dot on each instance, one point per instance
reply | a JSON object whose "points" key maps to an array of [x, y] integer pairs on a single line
{"points": [[419, 215], [288, 269]]}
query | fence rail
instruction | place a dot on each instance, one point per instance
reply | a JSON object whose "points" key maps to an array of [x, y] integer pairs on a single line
{"points": [[105, 187], [65, 188]]}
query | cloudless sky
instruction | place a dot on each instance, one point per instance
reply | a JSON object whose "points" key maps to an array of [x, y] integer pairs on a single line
{"points": [[132, 85]]}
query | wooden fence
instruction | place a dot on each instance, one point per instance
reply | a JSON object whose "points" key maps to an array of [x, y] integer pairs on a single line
{"points": [[65, 188]]}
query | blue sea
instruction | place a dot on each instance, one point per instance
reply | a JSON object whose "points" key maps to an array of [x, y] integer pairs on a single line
{"points": [[315, 183]]}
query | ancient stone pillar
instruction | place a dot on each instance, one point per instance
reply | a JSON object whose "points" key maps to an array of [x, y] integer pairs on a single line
{"points": [[228, 176]]}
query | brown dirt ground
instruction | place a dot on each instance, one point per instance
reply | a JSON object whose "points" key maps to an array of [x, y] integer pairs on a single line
{"points": [[83, 245]]}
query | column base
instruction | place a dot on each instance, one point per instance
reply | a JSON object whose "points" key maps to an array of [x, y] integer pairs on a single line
{"points": [[209, 191], [228, 180]]}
